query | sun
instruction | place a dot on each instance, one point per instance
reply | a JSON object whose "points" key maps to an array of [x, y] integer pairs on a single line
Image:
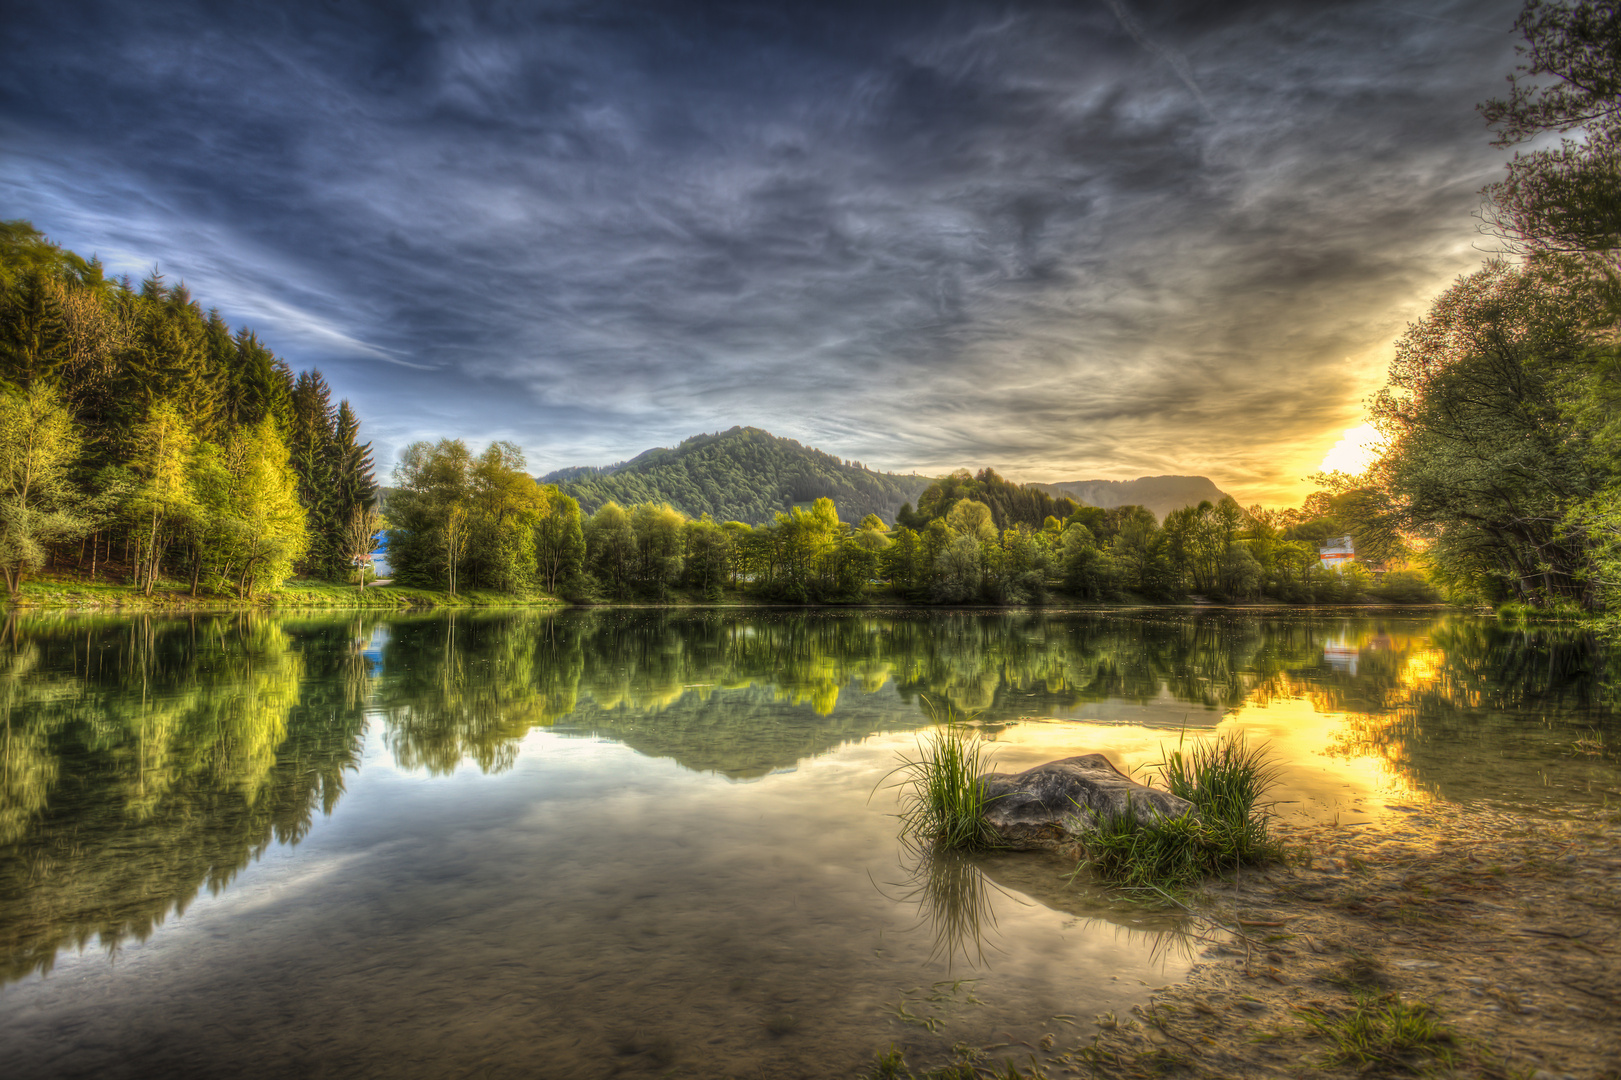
{"points": [[1358, 448]]}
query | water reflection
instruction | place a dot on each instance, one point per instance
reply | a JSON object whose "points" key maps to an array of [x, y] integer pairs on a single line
{"points": [[957, 896], [145, 760]]}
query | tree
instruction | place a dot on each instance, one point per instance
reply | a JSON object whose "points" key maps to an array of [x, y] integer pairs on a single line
{"points": [[360, 535], [163, 446], [660, 546], [312, 441], [354, 482], [559, 543], [504, 505], [708, 555], [266, 525], [38, 448], [1564, 199], [1488, 461], [429, 480], [610, 544]]}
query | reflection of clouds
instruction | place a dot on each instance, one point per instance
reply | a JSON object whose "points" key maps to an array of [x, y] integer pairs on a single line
{"points": [[633, 228]]}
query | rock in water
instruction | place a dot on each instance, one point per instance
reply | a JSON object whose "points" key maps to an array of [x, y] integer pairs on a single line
{"points": [[1049, 804]]}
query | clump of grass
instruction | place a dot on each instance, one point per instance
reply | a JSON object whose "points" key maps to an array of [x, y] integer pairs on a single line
{"points": [[892, 1066], [1139, 852], [1225, 780], [1385, 1032], [942, 800]]}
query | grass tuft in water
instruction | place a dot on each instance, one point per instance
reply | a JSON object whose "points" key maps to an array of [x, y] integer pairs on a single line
{"points": [[1139, 852], [1385, 1033], [892, 1066], [942, 800], [1225, 780]]}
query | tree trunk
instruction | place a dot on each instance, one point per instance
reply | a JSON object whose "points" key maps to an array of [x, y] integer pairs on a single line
{"points": [[196, 571], [152, 556]]}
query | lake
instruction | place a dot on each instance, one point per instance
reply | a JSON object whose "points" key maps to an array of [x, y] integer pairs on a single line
{"points": [[644, 842]]}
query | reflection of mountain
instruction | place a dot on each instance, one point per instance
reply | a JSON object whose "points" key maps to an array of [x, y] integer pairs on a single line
{"points": [[745, 694], [142, 761]]}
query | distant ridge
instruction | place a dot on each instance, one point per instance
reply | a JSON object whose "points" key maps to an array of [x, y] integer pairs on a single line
{"points": [[741, 474], [1161, 494]]}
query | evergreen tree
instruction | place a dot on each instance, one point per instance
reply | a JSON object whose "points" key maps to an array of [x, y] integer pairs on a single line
{"points": [[354, 477], [33, 335], [311, 442]]}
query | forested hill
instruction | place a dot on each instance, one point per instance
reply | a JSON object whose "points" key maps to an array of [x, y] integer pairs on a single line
{"points": [[743, 474], [1161, 494]]}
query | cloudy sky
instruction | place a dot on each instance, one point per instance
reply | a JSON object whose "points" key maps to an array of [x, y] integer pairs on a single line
{"points": [[1094, 238]]}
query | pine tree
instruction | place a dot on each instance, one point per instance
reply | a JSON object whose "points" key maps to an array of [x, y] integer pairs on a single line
{"points": [[354, 483], [311, 443], [261, 384], [33, 336]]}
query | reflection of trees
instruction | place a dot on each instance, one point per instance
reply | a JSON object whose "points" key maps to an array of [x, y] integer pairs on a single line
{"points": [[147, 759], [673, 684], [142, 760], [1473, 707], [460, 688], [727, 691]]}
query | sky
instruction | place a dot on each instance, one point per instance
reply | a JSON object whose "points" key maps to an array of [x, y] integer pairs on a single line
{"points": [[1075, 240]]}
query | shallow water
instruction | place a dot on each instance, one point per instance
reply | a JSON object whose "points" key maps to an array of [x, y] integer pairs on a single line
{"points": [[640, 842]]}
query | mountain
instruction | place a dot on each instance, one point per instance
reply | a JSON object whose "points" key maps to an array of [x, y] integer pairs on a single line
{"points": [[743, 474], [1161, 494]]}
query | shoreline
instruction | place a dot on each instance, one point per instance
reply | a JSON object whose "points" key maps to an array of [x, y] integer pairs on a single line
{"points": [[68, 595], [1497, 929]]}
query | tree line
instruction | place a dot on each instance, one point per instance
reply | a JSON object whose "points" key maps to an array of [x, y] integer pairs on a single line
{"points": [[461, 520], [142, 439]]}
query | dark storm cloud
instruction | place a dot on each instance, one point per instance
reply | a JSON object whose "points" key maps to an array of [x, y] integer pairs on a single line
{"points": [[1066, 240]]}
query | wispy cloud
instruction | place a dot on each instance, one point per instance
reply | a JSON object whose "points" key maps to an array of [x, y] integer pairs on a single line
{"points": [[921, 236]]}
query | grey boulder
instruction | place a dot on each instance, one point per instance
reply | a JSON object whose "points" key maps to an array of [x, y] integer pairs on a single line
{"points": [[1053, 803]]}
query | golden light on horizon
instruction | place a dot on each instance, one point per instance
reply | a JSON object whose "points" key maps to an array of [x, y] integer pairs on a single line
{"points": [[1358, 448]]}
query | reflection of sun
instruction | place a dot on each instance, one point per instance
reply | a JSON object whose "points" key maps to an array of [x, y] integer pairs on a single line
{"points": [[1358, 448]]}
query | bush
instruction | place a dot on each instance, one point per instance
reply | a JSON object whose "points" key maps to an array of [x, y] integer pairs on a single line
{"points": [[1406, 587]]}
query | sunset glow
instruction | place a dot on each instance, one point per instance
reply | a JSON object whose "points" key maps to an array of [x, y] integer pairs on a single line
{"points": [[1358, 448]]}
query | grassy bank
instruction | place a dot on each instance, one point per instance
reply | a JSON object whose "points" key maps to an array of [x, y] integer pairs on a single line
{"points": [[65, 594]]}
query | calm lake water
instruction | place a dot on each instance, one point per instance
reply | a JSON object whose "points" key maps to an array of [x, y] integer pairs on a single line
{"points": [[651, 843]]}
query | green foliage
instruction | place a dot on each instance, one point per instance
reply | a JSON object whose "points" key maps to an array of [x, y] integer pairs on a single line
{"points": [[743, 474], [1488, 463], [942, 799], [38, 507], [462, 521], [1224, 779], [1562, 199], [159, 396], [264, 527], [1009, 504], [1406, 587], [1384, 1033]]}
